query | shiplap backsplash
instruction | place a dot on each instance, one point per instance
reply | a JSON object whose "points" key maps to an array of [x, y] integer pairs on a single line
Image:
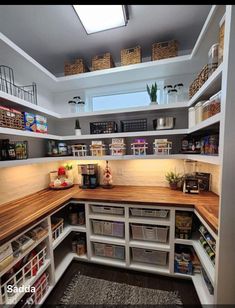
{"points": [[19, 181]]}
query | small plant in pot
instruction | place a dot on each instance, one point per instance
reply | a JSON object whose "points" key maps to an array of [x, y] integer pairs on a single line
{"points": [[78, 131], [173, 178], [152, 92]]}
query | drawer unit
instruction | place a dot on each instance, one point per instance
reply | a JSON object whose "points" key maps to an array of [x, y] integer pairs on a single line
{"points": [[149, 213], [108, 228], [150, 233], [149, 256], [101, 209], [108, 250]]}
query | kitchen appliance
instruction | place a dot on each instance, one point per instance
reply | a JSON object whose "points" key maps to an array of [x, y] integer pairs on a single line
{"points": [[190, 181], [164, 123], [89, 175]]}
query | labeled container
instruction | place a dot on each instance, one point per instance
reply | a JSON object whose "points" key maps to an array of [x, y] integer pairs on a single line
{"points": [[149, 256], [191, 117]]}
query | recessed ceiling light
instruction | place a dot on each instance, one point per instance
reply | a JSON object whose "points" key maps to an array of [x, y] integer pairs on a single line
{"points": [[96, 18]]}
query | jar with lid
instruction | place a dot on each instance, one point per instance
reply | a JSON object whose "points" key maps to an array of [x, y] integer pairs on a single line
{"points": [[72, 106], [179, 87], [215, 102], [206, 110], [213, 58], [191, 117], [80, 105], [198, 112], [165, 93], [171, 96]]}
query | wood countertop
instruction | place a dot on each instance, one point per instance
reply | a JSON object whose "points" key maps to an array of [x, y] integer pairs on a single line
{"points": [[16, 215]]}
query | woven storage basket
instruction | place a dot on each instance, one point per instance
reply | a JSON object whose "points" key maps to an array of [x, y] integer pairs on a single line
{"points": [[131, 55], [200, 80], [11, 119], [102, 62], [164, 50], [77, 67]]}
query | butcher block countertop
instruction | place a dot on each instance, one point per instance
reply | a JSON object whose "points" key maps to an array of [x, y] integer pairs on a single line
{"points": [[16, 215]]}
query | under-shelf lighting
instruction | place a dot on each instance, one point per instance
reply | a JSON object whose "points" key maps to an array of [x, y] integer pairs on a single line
{"points": [[96, 18]]}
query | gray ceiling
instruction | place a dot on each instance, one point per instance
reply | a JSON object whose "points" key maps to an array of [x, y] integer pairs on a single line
{"points": [[52, 34]]}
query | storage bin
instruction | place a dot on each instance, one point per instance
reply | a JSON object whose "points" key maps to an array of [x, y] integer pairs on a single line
{"points": [[134, 125], [108, 228], [150, 233], [107, 210], [149, 213], [102, 62], [109, 250], [77, 67], [105, 127], [11, 118], [149, 256], [131, 55], [163, 50]]}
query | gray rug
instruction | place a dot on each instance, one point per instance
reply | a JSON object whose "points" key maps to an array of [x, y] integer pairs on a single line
{"points": [[84, 290]]}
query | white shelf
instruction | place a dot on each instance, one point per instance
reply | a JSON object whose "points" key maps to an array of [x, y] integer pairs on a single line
{"points": [[108, 261], [16, 260], [150, 221], [66, 232], [206, 123], [210, 87], [16, 298], [202, 291], [107, 239], [149, 245], [50, 288], [80, 258], [25, 133], [107, 217], [209, 159], [31, 161], [149, 268], [65, 259]]}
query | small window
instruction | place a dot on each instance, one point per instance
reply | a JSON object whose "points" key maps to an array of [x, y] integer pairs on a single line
{"points": [[120, 101]]}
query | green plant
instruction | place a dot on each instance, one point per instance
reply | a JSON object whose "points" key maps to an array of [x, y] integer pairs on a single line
{"points": [[77, 125], [173, 177], [152, 92], [68, 166]]}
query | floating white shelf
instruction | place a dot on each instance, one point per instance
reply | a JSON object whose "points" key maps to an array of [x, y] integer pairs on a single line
{"points": [[107, 239], [66, 232], [65, 259], [25, 133], [210, 87], [149, 268], [150, 221], [203, 293], [149, 245], [107, 217], [206, 123]]}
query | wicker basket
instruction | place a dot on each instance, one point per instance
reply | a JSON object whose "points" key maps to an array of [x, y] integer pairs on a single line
{"points": [[164, 50], [11, 119], [131, 55], [200, 80], [77, 67], [102, 62]]}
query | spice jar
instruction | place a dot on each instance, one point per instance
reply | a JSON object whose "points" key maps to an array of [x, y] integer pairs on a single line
{"points": [[191, 117], [206, 110], [171, 96], [198, 112], [215, 102]]}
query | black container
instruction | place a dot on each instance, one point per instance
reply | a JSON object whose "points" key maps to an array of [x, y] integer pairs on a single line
{"points": [[134, 125], [106, 127]]}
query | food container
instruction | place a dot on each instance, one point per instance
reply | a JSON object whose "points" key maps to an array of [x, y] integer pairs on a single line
{"points": [[162, 146], [206, 110], [179, 87], [164, 123], [139, 146], [165, 93], [41, 124], [191, 117], [72, 106], [215, 102], [213, 54], [171, 96], [198, 112], [221, 40]]}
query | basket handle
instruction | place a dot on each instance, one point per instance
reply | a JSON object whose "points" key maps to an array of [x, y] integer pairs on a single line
{"points": [[131, 50], [150, 228], [107, 208], [148, 251], [164, 44]]}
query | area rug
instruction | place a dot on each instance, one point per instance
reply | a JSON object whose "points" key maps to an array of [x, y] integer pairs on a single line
{"points": [[84, 290]]}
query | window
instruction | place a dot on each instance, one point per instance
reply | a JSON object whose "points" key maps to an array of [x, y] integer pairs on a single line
{"points": [[120, 101]]}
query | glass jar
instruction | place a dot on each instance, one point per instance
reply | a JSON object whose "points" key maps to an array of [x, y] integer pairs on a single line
{"points": [[171, 96], [198, 112], [80, 105], [191, 117], [215, 102], [206, 110], [165, 93], [72, 106], [213, 54], [180, 92]]}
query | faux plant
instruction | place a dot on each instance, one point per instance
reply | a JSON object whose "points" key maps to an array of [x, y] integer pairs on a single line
{"points": [[77, 125], [68, 166], [173, 177], [152, 92]]}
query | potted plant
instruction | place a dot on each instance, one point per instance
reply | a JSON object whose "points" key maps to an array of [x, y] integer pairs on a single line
{"points": [[152, 92], [78, 131], [69, 172], [173, 179]]}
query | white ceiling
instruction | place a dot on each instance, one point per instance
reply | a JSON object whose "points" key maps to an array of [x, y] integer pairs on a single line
{"points": [[52, 34]]}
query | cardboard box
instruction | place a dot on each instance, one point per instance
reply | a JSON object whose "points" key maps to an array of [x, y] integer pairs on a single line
{"points": [[29, 122], [41, 124]]}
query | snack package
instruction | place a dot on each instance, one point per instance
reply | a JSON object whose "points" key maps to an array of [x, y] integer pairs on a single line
{"points": [[41, 124], [29, 122]]}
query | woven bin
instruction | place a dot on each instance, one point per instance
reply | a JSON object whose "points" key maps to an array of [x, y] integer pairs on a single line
{"points": [[131, 55], [102, 62], [200, 80], [11, 119], [77, 67], [164, 50]]}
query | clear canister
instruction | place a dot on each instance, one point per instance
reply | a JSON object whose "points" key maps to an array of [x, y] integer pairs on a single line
{"points": [[206, 110], [180, 92], [215, 103], [172, 96], [165, 93], [191, 117], [72, 106], [198, 112]]}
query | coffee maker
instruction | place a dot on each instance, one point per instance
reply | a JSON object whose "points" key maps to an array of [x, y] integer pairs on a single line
{"points": [[190, 181], [89, 175]]}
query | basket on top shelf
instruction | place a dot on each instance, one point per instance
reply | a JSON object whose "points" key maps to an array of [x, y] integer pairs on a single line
{"points": [[77, 67], [11, 118], [164, 50], [102, 62], [131, 55]]}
